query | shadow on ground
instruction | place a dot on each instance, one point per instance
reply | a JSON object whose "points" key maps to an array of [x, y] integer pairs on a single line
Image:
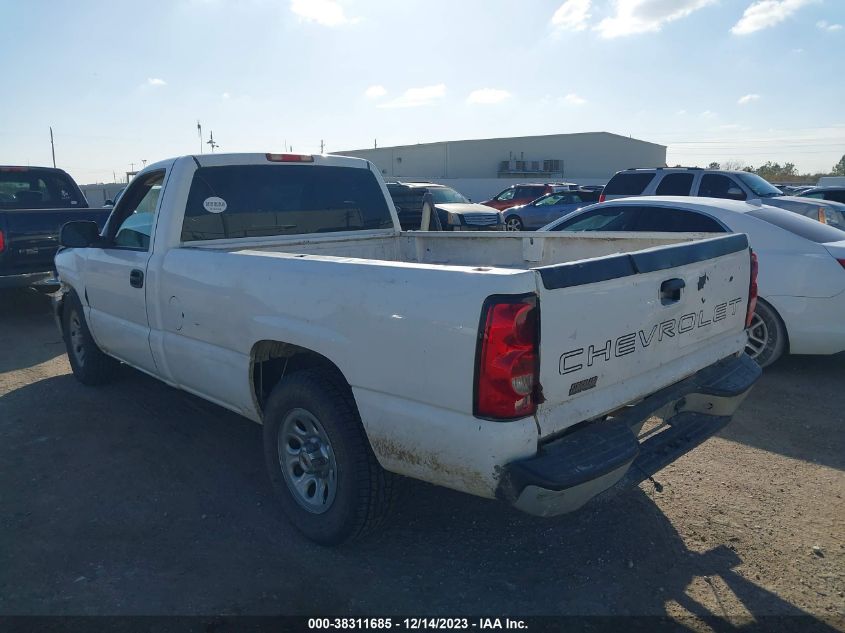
{"points": [[797, 410], [135, 498], [25, 315]]}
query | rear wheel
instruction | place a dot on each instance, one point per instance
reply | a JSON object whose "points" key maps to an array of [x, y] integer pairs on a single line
{"points": [[326, 477], [514, 223], [766, 335], [87, 361]]}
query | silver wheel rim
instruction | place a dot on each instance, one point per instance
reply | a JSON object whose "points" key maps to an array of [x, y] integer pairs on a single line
{"points": [[513, 224], [758, 337], [307, 461], [76, 341]]}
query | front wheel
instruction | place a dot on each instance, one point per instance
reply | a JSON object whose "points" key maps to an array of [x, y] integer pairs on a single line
{"points": [[766, 335], [87, 361], [326, 477], [514, 223]]}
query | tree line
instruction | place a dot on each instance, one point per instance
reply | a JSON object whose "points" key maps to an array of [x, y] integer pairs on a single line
{"points": [[775, 172]]}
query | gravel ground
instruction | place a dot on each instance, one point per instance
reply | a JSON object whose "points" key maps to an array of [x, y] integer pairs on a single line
{"points": [[135, 498]]}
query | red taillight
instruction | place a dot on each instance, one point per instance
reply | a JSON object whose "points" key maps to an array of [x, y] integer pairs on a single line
{"points": [[841, 261], [508, 361], [290, 158], [602, 197], [2, 242], [752, 291]]}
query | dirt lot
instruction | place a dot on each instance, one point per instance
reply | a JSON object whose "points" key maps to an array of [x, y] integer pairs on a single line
{"points": [[137, 499]]}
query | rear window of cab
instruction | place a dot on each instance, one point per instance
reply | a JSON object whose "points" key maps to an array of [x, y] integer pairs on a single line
{"points": [[264, 200]]}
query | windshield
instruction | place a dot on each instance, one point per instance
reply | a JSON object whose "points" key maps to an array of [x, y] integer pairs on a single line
{"points": [[759, 186], [549, 199], [444, 195]]}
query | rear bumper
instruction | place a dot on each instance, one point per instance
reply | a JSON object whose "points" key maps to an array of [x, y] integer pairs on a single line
{"points": [[23, 280], [604, 458]]}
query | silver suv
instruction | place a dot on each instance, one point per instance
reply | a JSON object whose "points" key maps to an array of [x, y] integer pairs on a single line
{"points": [[716, 183]]}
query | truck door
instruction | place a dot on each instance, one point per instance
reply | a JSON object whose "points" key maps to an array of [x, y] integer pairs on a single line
{"points": [[116, 275]]}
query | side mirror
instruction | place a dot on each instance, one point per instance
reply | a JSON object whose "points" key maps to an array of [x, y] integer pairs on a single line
{"points": [[108, 203], [735, 193], [79, 234]]}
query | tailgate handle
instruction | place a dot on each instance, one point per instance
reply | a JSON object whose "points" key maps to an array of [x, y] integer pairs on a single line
{"points": [[670, 291]]}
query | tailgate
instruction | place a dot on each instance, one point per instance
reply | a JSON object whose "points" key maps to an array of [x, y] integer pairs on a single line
{"points": [[618, 328], [32, 236]]}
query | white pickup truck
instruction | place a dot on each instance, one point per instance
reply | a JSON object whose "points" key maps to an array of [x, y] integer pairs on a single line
{"points": [[510, 366]]}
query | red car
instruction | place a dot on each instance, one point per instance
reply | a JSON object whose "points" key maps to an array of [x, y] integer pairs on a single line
{"points": [[516, 195]]}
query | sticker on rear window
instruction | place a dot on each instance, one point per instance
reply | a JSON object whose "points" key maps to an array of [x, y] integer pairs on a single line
{"points": [[214, 204]]}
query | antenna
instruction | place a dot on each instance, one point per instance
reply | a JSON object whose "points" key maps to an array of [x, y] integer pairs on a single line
{"points": [[52, 147], [211, 142]]}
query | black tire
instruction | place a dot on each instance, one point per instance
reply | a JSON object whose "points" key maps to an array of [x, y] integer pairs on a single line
{"points": [[767, 338], [89, 364], [514, 223], [364, 492]]}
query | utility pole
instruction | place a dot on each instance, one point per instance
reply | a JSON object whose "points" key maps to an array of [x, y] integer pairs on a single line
{"points": [[322, 147], [143, 163], [199, 132], [52, 147], [131, 166], [113, 176], [375, 143]]}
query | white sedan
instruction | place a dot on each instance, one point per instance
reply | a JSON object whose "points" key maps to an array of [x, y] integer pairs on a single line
{"points": [[801, 306]]}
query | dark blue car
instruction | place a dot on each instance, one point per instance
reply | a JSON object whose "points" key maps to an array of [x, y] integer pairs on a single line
{"points": [[545, 209]]}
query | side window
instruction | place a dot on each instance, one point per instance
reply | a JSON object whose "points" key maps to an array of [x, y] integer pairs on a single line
{"points": [[528, 193], [603, 219], [507, 194], [132, 223], [718, 186], [663, 219], [819, 195], [675, 185], [836, 196]]}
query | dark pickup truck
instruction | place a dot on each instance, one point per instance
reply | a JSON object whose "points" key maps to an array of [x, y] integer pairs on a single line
{"points": [[34, 204]]}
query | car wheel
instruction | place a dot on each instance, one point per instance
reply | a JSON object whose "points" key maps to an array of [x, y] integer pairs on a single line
{"points": [[514, 223], [326, 477], [87, 361], [766, 335]]}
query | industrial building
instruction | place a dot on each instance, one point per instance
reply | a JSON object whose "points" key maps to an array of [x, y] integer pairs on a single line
{"points": [[481, 168]]}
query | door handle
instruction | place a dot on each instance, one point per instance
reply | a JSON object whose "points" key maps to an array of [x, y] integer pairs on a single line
{"points": [[136, 278], [670, 291]]}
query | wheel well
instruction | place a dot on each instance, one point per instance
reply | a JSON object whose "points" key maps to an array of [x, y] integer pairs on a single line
{"points": [[273, 360]]}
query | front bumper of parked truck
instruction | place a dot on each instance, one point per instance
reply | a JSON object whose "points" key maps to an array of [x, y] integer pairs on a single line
{"points": [[601, 458]]}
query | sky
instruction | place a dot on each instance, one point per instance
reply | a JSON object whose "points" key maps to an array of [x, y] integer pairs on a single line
{"points": [[126, 82]]}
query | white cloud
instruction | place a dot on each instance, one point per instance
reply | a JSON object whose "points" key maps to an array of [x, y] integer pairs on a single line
{"points": [[325, 12], [746, 99], [374, 92], [488, 96], [574, 99], [155, 81], [681, 113], [226, 95], [708, 114], [763, 14], [572, 15], [824, 25], [646, 16], [414, 97], [798, 50]]}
